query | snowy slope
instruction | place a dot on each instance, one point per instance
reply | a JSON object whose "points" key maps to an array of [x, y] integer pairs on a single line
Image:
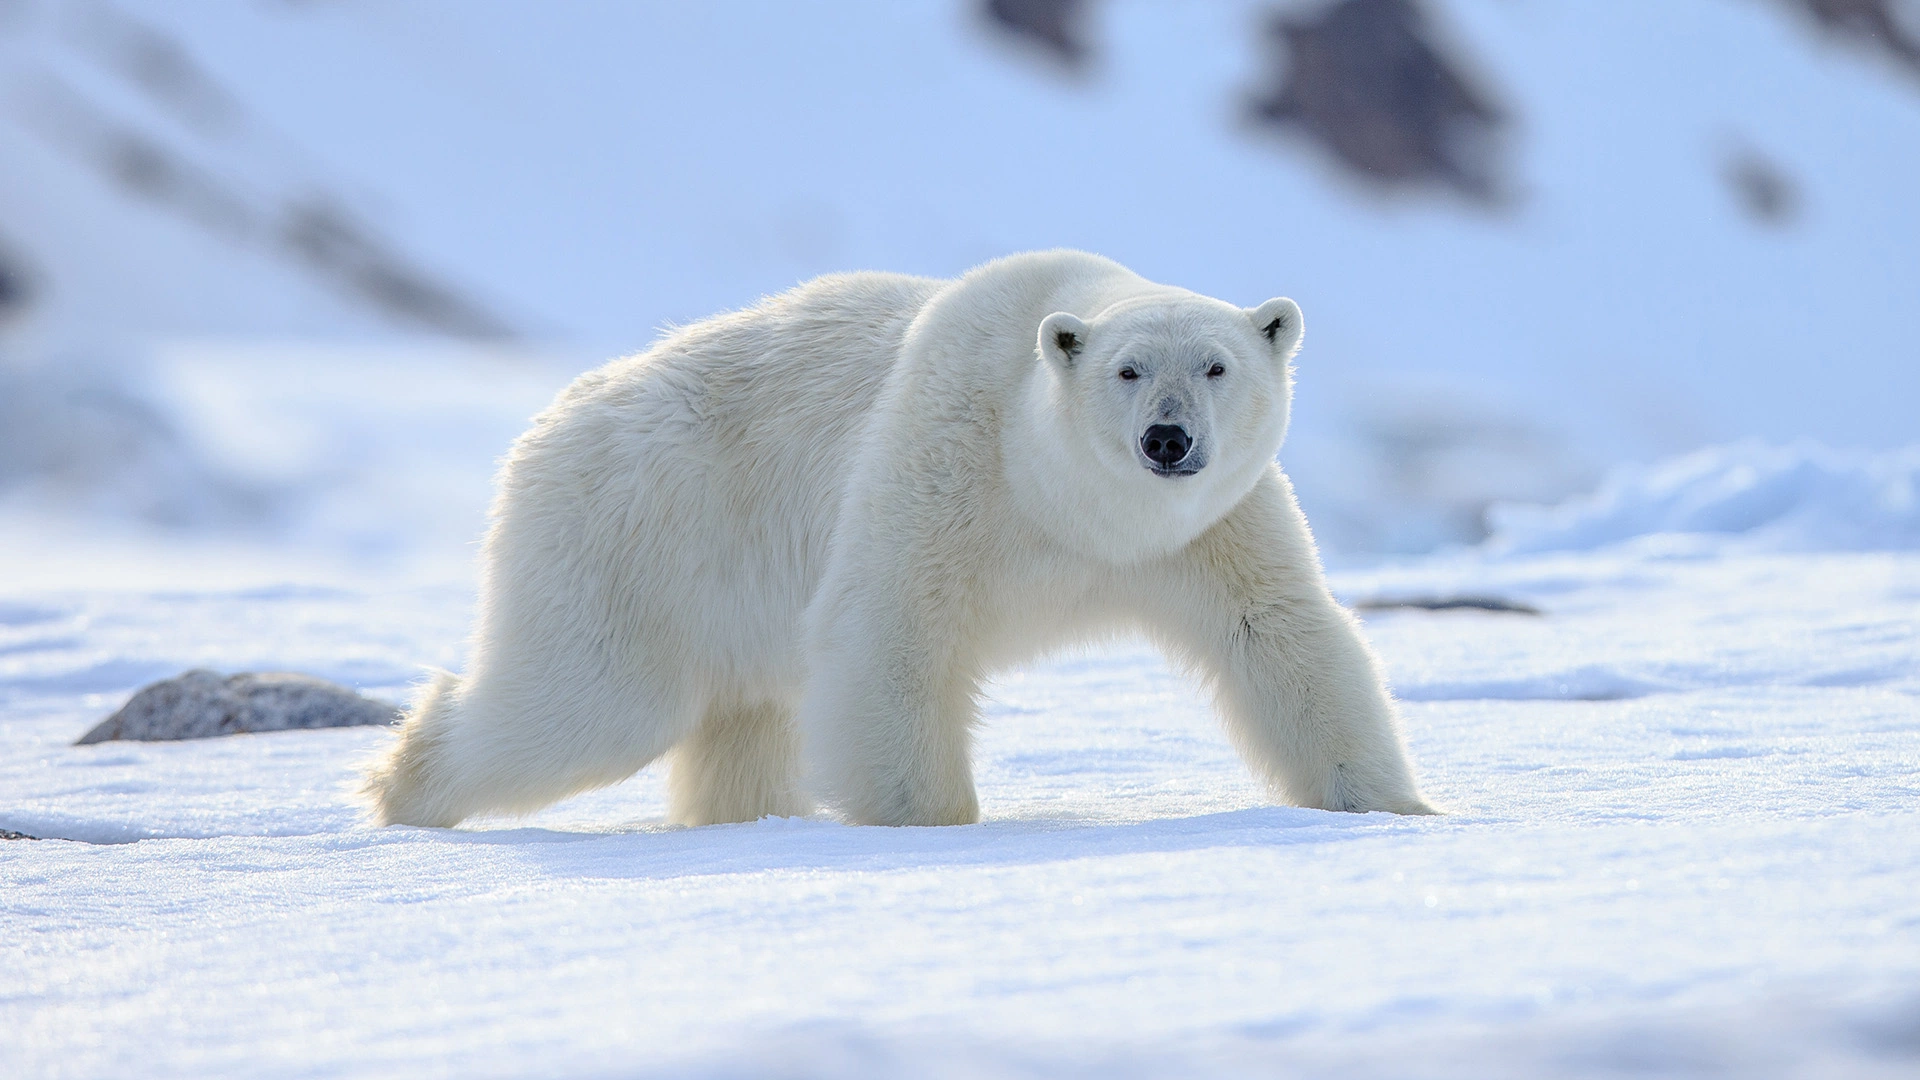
{"points": [[588, 172], [144, 201], [1624, 309], [619, 165], [357, 459]]}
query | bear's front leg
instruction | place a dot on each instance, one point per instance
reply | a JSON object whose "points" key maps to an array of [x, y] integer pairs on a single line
{"points": [[1299, 689], [888, 713]]}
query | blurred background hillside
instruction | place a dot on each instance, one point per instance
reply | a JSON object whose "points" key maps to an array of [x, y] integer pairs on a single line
{"points": [[296, 271]]}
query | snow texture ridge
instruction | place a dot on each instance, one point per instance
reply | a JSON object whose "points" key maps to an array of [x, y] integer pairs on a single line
{"points": [[1799, 497]]}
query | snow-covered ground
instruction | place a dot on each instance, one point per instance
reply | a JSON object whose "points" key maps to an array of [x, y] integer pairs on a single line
{"points": [[1684, 827], [1683, 838]]}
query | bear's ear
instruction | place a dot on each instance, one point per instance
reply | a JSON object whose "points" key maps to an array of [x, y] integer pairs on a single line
{"points": [[1062, 338], [1278, 321]]}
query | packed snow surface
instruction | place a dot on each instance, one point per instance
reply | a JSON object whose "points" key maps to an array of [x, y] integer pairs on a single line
{"points": [[1683, 838]]}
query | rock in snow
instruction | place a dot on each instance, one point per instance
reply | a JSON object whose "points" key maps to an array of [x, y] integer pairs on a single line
{"points": [[201, 704]]}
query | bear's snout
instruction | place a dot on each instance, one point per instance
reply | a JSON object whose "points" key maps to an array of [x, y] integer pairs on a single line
{"points": [[1166, 445]]}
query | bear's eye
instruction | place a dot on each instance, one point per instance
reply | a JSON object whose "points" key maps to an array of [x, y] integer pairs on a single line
{"points": [[1216, 371], [1129, 374]]}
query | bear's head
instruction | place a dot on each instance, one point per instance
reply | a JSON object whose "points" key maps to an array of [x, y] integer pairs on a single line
{"points": [[1167, 408]]}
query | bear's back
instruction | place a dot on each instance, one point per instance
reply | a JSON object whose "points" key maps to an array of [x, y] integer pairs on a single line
{"points": [[786, 386], [695, 485]]}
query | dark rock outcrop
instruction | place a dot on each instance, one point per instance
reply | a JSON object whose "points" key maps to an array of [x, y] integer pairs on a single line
{"points": [[1057, 27], [201, 704], [1371, 82], [1888, 27], [16, 291]]}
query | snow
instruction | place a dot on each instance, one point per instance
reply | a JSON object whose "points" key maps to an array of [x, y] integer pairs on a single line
{"points": [[358, 458], [1798, 497], [1681, 835], [1642, 879], [1681, 838], [590, 172], [1683, 828]]}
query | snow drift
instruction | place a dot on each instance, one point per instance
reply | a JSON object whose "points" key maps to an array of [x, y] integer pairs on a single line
{"points": [[1798, 497]]}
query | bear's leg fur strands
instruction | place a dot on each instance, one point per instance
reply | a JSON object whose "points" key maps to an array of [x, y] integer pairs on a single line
{"points": [[740, 764], [1300, 692]]}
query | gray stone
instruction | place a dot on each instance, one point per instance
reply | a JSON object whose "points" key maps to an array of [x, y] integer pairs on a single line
{"points": [[201, 704]]}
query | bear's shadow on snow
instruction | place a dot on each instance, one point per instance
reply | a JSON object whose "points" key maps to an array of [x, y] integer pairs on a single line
{"points": [[650, 853]]}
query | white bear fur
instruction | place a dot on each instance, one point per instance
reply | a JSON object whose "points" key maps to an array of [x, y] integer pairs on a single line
{"points": [[810, 529]]}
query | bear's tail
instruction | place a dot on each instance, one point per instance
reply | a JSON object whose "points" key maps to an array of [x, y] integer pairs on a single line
{"points": [[411, 782]]}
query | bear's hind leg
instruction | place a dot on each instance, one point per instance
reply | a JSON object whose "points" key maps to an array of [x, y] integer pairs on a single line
{"points": [[740, 764], [405, 785], [500, 744]]}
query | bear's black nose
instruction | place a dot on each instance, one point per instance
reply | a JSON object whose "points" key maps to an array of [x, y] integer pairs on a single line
{"points": [[1165, 444]]}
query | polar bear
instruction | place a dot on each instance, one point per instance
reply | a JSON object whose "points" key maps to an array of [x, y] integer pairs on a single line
{"points": [[807, 531]]}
